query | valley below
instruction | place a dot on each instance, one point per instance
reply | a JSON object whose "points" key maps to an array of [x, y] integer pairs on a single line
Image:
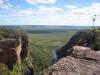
{"points": [[38, 44]]}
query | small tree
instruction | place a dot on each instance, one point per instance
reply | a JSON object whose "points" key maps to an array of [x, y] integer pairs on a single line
{"points": [[93, 20]]}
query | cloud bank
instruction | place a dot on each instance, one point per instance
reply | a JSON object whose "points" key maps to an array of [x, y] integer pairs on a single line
{"points": [[52, 15], [5, 4], [34, 2]]}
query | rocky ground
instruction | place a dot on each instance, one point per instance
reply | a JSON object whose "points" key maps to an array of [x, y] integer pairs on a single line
{"points": [[81, 61], [80, 56]]}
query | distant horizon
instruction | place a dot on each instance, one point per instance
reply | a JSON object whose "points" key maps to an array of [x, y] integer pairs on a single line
{"points": [[51, 25]]}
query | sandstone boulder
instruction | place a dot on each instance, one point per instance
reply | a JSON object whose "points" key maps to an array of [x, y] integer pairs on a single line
{"points": [[81, 61]]}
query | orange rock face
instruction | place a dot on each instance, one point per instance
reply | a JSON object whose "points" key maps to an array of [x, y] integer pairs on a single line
{"points": [[11, 49]]}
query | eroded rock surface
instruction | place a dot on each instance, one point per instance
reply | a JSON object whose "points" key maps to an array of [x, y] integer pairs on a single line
{"points": [[82, 38], [80, 61], [13, 47]]}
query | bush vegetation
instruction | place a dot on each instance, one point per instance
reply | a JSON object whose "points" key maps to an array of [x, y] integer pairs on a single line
{"points": [[40, 49], [42, 45], [87, 38]]}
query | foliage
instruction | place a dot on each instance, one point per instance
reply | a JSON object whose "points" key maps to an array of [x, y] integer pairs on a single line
{"points": [[92, 30], [87, 38], [11, 31], [16, 70], [42, 45], [92, 39], [3, 69]]}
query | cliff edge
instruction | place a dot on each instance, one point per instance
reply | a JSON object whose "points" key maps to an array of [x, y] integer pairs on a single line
{"points": [[80, 56], [86, 38], [81, 61], [13, 47]]}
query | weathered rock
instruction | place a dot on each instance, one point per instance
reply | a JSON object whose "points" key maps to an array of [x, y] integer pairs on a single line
{"points": [[81, 61], [8, 43], [82, 38], [24, 50], [85, 53], [12, 48]]}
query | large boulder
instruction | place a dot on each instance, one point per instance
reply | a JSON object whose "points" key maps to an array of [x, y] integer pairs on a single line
{"points": [[81, 61]]}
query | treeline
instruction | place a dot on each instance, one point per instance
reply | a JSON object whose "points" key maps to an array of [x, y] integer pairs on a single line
{"points": [[46, 31]]}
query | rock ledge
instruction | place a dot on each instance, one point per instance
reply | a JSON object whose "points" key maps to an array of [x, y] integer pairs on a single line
{"points": [[81, 61]]}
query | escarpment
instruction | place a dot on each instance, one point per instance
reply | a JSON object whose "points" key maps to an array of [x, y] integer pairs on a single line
{"points": [[13, 47], [80, 56], [86, 38]]}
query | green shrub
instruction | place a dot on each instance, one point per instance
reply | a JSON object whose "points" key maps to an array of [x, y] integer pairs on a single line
{"points": [[3, 69]]}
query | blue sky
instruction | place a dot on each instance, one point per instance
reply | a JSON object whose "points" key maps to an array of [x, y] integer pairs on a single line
{"points": [[49, 12]]}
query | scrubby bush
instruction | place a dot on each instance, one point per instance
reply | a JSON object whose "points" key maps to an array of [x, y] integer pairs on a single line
{"points": [[87, 38], [3, 69]]}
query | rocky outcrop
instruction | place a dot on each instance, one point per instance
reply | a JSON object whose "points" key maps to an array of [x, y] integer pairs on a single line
{"points": [[80, 56], [24, 50], [86, 38], [13, 48], [80, 61]]}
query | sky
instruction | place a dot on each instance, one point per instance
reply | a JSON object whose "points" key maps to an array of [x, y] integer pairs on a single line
{"points": [[49, 12]]}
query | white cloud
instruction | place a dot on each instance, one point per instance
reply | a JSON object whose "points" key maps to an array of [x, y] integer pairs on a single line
{"points": [[70, 6], [73, 16], [80, 11], [93, 9], [4, 16], [96, 8], [40, 1], [83, 16], [31, 2], [45, 1], [5, 4], [24, 13], [43, 9], [56, 16], [18, 6]]}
